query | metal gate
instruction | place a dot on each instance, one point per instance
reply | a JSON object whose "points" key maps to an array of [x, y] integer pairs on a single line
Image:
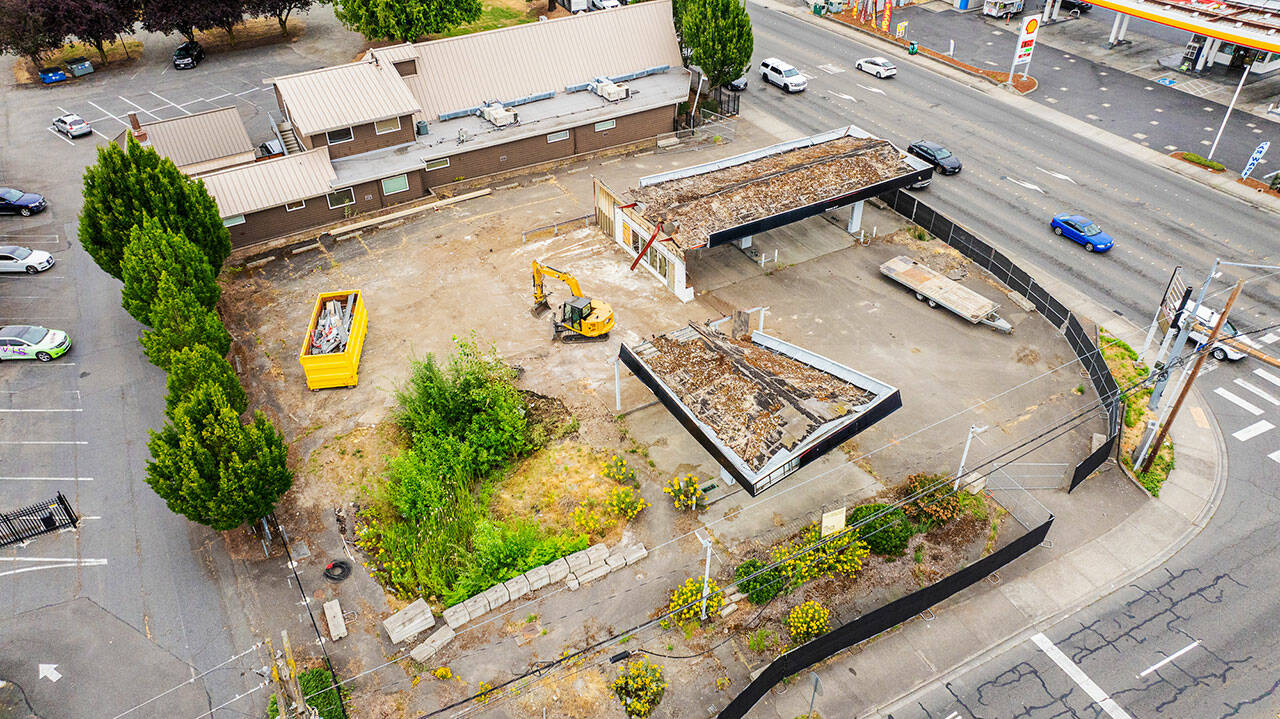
{"points": [[36, 519], [726, 101]]}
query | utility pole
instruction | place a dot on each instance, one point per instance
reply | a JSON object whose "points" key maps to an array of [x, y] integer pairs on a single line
{"points": [[1195, 370], [1162, 378]]}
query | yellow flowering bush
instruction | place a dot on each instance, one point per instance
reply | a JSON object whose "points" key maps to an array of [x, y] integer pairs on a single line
{"points": [[588, 520], [484, 692], [616, 469], [808, 621], [623, 502], [691, 591], [685, 492], [841, 555], [442, 673], [639, 687]]}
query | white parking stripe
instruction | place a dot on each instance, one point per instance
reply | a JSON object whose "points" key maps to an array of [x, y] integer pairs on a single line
{"points": [[1257, 391], [138, 107], [36, 441], [46, 479], [161, 99], [1077, 675], [1253, 430], [1171, 657], [1268, 376], [60, 136], [1274, 456], [1237, 401], [107, 114]]}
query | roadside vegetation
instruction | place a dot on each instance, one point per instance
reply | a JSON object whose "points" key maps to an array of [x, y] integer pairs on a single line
{"points": [[1195, 159], [1123, 362]]}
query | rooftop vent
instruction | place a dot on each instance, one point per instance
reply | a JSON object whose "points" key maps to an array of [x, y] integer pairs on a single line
{"points": [[610, 90], [499, 115]]}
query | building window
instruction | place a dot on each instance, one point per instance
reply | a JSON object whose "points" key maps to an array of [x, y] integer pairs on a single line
{"points": [[558, 136], [334, 137], [294, 206], [436, 164], [392, 185], [382, 127], [233, 221], [606, 125], [341, 198]]}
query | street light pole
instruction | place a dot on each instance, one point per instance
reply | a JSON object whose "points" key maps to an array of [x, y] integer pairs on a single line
{"points": [[1163, 378], [964, 456], [1230, 107]]}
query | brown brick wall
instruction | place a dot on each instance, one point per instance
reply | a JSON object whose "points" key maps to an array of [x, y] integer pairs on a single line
{"points": [[365, 139]]}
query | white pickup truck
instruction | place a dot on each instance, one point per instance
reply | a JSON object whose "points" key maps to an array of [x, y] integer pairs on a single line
{"points": [[1200, 329]]}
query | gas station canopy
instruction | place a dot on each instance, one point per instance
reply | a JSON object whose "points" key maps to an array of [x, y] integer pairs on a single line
{"points": [[1249, 23]]}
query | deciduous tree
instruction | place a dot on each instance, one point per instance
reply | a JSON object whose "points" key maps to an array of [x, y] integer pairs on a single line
{"points": [[404, 20], [154, 251], [278, 9], [179, 321], [126, 185], [211, 469], [27, 30], [94, 22], [186, 17], [194, 366], [718, 32]]}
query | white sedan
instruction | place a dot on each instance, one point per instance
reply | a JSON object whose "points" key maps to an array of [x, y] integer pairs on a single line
{"points": [[21, 259], [877, 66]]}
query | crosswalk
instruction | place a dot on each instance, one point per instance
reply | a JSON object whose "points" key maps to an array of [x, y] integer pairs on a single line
{"points": [[1258, 395]]}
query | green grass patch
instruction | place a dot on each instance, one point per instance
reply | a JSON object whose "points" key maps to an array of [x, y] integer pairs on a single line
{"points": [[1203, 162], [1123, 362], [317, 687], [429, 528], [491, 17]]}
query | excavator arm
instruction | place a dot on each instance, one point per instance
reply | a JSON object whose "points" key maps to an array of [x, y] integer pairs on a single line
{"points": [[539, 288]]}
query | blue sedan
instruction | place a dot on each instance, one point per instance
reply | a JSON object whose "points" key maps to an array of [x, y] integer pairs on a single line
{"points": [[1082, 230]]}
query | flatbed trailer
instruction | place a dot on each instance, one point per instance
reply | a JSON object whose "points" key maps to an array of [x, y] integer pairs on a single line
{"points": [[933, 287]]}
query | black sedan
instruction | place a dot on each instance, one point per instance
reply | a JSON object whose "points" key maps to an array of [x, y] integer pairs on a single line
{"points": [[1078, 5], [936, 155], [188, 55], [17, 202]]}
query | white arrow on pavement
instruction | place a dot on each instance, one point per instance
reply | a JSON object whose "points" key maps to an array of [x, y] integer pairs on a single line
{"points": [[869, 89], [843, 96], [1027, 185], [50, 672], [1058, 175]]}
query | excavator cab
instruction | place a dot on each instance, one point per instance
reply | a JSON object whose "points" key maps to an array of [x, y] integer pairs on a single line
{"points": [[576, 310], [581, 319]]}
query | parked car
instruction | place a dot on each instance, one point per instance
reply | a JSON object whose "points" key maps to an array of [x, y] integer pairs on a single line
{"points": [[32, 342], [737, 85], [72, 125], [605, 4], [1082, 230], [877, 66], [1078, 5], [1207, 318], [22, 259], [188, 55], [936, 155], [777, 72], [17, 202]]}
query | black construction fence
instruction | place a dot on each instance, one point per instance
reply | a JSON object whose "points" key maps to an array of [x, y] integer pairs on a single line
{"points": [[1018, 280], [33, 520], [880, 620]]}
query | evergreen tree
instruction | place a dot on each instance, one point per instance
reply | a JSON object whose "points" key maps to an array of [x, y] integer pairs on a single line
{"points": [[192, 367], [718, 32], [179, 321], [153, 251], [126, 185], [404, 20], [211, 469]]}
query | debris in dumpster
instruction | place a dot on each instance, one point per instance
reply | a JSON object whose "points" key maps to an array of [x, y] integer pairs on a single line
{"points": [[333, 327]]}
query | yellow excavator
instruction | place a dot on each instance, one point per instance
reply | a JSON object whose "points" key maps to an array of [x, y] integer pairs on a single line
{"points": [[581, 319]]}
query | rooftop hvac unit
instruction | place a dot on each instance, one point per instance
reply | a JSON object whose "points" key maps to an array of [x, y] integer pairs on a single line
{"points": [[499, 115], [610, 90]]}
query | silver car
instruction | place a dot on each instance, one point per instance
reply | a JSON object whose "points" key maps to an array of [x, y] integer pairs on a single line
{"points": [[72, 125], [22, 259]]}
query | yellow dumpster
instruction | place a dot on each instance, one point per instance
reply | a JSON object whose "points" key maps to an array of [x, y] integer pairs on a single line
{"points": [[331, 350]]}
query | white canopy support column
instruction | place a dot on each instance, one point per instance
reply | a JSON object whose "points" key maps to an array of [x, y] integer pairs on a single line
{"points": [[855, 217]]}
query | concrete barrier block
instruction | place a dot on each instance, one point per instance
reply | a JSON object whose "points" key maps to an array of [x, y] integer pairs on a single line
{"points": [[477, 606], [457, 615], [728, 609], [598, 553], [578, 561], [497, 596], [572, 582], [615, 562], [433, 644], [538, 577], [337, 623], [557, 570], [408, 622], [593, 573], [517, 587], [634, 553]]}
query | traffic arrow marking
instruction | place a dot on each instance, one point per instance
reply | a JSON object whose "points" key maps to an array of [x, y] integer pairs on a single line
{"points": [[1058, 175], [1022, 183], [870, 89], [50, 672]]}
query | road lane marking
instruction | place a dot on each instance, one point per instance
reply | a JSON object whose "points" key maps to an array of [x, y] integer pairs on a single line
{"points": [[1242, 404], [1268, 338], [1077, 675], [51, 559], [1253, 430], [831, 69], [86, 563], [1268, 376], [46, 479], [1258, 391], [1058, 175], [843, 96], [870, 89], [1170, 658], [1023, 183]]}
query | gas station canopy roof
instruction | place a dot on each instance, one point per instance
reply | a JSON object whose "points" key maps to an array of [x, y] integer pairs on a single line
{"points": [[1250, 23]]}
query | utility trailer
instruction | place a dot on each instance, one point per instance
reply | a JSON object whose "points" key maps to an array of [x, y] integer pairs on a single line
{"points": [[933, 287]]}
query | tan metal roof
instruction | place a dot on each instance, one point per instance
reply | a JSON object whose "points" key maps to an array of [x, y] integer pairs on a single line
{"points": [[515, 62], [344, 96], [200, 137], [271, 183]]}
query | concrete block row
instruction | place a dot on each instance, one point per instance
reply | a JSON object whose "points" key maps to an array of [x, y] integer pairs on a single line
{"points": [[433, 644], [409, 622], [602, 562]]}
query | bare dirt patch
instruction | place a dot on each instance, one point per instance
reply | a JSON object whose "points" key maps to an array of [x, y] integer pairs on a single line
{"points": [[1026, 355], [551, 483], [339, 470], [118, 55]]}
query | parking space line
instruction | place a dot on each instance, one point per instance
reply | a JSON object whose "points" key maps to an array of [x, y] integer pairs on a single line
{"points": [[81, 563], [38, 441], [46, 479], [1274, 456], [139, 107], [107, 114], [161, 99], [60, 136], [1079, 677], [1171, 657], [77, 409]]}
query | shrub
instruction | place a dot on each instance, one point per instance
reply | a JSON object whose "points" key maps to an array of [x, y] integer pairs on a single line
{"points": [[317, 687], [588, 520], [624, 503], [761, 640], [691, 591], [808, 621], [617, 470], [1203, 161], [442, 673], [887, 534], [842, 554], [639, 687], [685, 492], [937, 503], [762, 588]]}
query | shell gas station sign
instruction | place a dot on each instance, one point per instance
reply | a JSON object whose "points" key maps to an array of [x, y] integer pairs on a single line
{"points": [[1026, 41]]}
